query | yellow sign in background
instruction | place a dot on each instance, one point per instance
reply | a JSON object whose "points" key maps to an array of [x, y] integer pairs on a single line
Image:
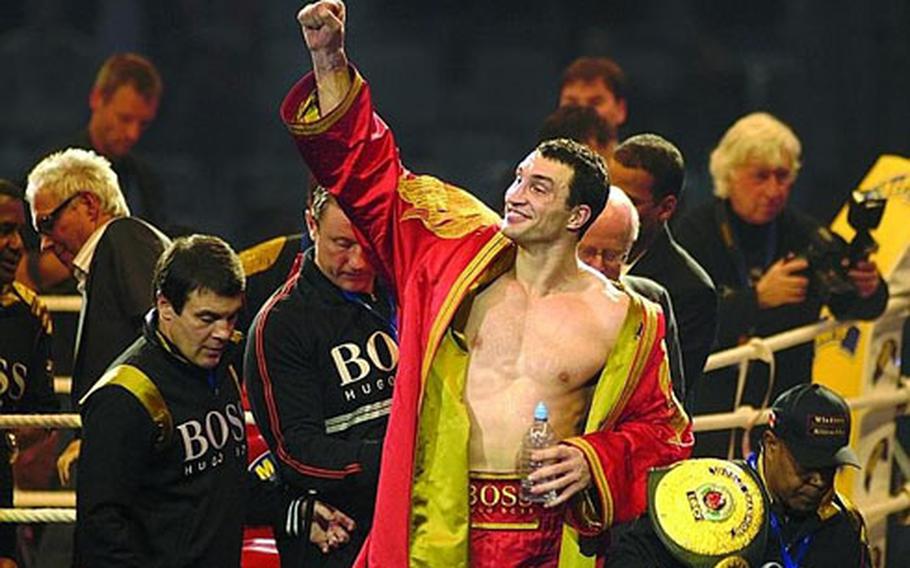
{"points": [[865, 358]]}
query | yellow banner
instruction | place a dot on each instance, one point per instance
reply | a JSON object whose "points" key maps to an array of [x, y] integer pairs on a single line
{"points": [[863, 358]]}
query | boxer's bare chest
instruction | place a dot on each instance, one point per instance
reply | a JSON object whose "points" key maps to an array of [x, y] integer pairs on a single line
{"points": [[560, 339]]}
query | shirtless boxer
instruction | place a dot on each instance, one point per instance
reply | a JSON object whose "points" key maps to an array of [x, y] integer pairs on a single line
{"points": [[495, 315]]}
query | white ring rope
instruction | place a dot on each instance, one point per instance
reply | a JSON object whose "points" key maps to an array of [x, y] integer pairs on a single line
{"points": [[741, 417], [58, 420], [898, 306], [746, 415], [37, 515]]}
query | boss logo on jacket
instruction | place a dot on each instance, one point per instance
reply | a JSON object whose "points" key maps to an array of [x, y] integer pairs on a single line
{"points": [[205, 441]]}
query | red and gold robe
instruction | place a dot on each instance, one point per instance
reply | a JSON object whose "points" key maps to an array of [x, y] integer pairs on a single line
{"points": [[435, 245]]}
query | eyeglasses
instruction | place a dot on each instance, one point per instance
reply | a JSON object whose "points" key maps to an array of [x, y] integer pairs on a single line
{"points": [[589, 254], [45, 223]]}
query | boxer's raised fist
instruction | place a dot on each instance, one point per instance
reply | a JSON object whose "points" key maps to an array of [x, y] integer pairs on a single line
{"points": [[323, 25]]}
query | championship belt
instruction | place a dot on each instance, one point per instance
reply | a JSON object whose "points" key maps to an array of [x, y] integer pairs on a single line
{"points": [[709, 513]]}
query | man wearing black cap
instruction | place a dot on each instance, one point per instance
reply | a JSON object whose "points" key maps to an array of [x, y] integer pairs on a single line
{"points": [[808, 523], [811, 524]]}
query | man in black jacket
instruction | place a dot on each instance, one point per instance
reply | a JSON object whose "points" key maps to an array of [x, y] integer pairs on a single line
{"points": [[26, 369], [321, 392], [806, 521], [753, 245], [651, 171], [162, 478]]}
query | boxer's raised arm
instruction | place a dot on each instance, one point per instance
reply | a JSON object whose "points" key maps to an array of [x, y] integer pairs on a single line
{"points": [[322, 24]]}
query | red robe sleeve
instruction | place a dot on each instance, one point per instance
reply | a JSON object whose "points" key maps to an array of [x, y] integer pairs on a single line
{"points": [[353, 154], [422, 236]]}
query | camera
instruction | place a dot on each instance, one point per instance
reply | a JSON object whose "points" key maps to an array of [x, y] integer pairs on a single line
{"points": [[830, 257]]}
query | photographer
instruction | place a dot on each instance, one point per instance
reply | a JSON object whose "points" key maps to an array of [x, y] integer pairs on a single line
{"points": [[772, 265]]}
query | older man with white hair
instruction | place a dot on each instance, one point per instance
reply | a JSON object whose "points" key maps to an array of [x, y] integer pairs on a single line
{"points": [[754, 246], [605, 247], [79, 211]]}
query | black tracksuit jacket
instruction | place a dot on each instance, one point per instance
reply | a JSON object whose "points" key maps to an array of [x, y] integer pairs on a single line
{"points": [[179, 505], [319, 367]]}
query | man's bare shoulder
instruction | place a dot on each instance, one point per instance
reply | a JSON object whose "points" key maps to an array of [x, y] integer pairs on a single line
{"points": [[601, 289]]}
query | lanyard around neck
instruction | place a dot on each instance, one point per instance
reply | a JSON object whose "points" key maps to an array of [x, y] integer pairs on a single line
{"points": [[391, 322], [789, 560], [802, 546]]}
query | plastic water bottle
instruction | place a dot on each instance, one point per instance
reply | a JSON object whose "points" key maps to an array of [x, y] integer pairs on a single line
{"points": [[539, 436]]}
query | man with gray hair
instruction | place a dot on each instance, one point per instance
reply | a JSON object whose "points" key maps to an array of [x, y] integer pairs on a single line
{"points": [[81, 215], [753, 244]]}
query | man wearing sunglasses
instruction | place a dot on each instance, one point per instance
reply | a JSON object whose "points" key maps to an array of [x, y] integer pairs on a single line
{"points": [[82, 217]]}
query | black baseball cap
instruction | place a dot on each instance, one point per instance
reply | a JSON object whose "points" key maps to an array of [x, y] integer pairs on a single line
{"points": [[814, 422]]}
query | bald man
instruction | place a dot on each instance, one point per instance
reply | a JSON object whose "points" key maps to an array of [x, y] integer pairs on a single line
{"points": [[606, 247]]}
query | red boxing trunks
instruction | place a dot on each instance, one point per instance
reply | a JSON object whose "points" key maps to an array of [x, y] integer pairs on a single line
{"points": [[507, 531]]}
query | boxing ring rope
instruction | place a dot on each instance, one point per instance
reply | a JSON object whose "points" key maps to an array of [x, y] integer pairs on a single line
{"points": [[745, 416], [38, 516], [57, 506], [58, 420], [897, 306], [62, 303]]}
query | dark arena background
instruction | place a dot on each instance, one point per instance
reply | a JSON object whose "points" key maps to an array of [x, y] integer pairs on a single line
{"points": [[466, 86]]}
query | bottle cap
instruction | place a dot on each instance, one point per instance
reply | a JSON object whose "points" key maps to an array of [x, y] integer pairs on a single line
{"points": [[540, 411]]}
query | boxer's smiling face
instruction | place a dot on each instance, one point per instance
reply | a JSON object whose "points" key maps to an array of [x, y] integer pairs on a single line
{"points": [[536, 204]]}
